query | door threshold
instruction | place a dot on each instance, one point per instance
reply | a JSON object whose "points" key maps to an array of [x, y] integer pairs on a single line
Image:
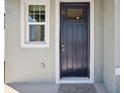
{"points": [[75, 80]]}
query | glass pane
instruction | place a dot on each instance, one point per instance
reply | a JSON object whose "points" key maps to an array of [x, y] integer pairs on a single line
{"points": [[36, 7], [37, 33], [36, 13], [74, 14], [36, 17], [42, 18], [31, 17], [42, 13], [31, 9]]}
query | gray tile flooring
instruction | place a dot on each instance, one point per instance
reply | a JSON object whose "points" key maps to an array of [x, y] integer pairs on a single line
{"points": [[100, 88], [46, 88], [77, 88]]}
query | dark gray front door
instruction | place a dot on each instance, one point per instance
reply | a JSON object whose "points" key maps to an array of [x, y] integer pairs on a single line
{"points": [[74, 40]]}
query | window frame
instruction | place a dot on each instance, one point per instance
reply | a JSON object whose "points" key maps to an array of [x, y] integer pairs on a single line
{"points": [[25, 42]]}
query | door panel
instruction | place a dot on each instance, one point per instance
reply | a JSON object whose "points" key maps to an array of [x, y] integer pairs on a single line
{"points": [[74, 40]]}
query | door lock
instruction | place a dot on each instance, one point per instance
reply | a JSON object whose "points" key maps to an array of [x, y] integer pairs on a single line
{"points": [[63, 49]]}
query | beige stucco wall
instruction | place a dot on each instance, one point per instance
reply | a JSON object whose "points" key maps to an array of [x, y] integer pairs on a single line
{"points": [[98, 40], [117, 43], [117, 32], [111, 30], [108, 19], [23, 64]]}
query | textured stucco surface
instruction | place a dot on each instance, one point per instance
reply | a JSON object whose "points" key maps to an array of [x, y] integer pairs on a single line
{"points": [[23, 64], [111, 45], [108, 16]]}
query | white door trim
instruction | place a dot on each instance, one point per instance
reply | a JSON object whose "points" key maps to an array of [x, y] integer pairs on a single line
{"points": [[57, 39]]}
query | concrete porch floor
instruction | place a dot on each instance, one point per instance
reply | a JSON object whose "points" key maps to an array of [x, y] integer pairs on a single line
{"points": [[42, 88]]}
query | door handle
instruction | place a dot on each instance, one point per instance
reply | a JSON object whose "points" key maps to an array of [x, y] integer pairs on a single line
{"points": [[62, 46]]}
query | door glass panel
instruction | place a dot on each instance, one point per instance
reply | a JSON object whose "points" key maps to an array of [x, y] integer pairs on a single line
{"points": [[37, 33], [74, 14]]}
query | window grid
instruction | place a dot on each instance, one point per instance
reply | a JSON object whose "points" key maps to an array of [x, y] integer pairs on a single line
{"points": [[37, 14], [43, 19], [36, 11]]}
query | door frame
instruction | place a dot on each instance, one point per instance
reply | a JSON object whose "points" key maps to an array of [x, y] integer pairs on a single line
{"points": [[57, 43]]}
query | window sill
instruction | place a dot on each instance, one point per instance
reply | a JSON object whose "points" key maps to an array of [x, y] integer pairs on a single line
{"points": [[35, 45]]}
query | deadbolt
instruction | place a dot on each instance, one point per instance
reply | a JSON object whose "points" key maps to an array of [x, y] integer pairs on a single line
{"points": [[63, 45]]}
